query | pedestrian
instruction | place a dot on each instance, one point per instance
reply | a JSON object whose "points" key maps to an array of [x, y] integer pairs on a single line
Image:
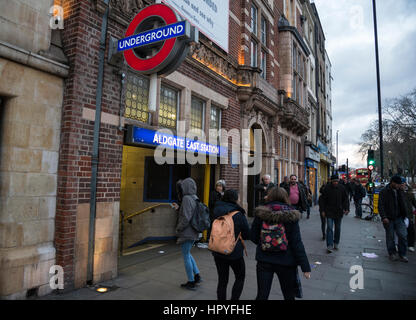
{"points": [[285, 182], [410, 202], [215, 195], [392, 209], [264, 187], [296, 194], [350, 188], [335, 205], [308, 193], [358, 196], [277, 211], [321, 210], [235, 260], [186, 234]]}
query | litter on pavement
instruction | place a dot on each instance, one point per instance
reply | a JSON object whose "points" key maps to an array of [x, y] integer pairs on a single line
{"points": [[161, 251], [202, 245], [369, 255], [317, 262]]}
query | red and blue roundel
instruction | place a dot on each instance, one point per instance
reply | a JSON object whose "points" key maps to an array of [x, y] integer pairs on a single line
{"points": [[156, 41]]}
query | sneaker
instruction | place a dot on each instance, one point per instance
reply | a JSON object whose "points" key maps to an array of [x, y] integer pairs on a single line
{"points": [[411, 249], [404, 259], [329, 249], [190, 285], [336, 246], [197, 279], [394, 257]]}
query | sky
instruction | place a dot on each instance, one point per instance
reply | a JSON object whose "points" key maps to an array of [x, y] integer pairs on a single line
{"points": [[349, 31]]}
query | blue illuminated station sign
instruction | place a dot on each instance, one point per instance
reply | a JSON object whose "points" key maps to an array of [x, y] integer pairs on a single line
{"points": [[152, 36], [146, 137]]}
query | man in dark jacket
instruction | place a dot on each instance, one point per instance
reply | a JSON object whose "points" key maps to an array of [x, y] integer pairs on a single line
{"points": [[410, 202], [297, 194], [335, 204], [235, 260], [264, 187], [392, 208], [358, 195]]}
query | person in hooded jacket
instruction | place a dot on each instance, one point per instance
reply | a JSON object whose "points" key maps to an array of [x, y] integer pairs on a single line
{"points": [[283, 263], [235, 260], [186, 234]]}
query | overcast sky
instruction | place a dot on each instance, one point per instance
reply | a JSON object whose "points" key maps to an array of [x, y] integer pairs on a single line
{"points": [[349, 32]]}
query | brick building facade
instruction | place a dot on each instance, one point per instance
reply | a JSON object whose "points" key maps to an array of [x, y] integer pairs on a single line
{"points": [[260, 83]]}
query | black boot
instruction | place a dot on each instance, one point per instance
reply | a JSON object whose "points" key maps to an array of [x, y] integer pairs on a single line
{"points": [[197, 279], [190, 285]]}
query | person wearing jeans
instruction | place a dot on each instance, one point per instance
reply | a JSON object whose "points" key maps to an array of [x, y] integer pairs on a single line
{"points": [[392, 208], [186, 234], [190, 265], [358, 195], [335, 204], [333, 238]]}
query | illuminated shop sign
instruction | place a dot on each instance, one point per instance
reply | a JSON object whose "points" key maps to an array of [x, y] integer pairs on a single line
{"points": [[149, 137]]}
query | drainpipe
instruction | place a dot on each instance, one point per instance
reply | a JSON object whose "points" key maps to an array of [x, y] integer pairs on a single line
{"points": [[94, 160]]}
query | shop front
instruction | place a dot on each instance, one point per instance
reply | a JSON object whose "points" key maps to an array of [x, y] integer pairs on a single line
{"points": [[148, 186]]}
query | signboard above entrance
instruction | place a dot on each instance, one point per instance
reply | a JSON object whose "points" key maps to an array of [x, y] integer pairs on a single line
{"points": [[157, 40], [211, 17], [142, 136]]}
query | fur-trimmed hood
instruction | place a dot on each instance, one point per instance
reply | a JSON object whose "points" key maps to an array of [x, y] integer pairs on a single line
{"points": [[277, 213]]}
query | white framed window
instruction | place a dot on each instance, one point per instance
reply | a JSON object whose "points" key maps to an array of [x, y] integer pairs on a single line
{"points": [[254, 11], [253, 53], [263, 30], [197, 113], [263, 64]]}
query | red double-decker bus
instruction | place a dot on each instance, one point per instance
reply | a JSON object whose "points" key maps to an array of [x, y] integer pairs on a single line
{"points": [[362, 175]]}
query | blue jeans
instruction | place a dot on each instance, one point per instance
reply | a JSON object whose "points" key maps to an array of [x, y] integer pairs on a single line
{"points": [[190, 264], [358, 208], [330, 237], [399, 227]]}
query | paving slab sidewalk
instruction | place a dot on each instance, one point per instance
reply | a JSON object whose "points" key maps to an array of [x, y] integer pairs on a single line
{"points": [[157, 273]]}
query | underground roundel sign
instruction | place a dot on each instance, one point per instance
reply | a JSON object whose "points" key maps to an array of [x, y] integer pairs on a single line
{"points": [[156, 41]]}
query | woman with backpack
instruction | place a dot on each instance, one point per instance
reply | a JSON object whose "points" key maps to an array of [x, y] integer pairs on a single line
{"points": [[235, 259], [185, 233], [280, 250]]}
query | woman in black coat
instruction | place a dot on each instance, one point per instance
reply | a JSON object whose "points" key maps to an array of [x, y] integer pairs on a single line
{"points": [[284, 263], [235, 260]]}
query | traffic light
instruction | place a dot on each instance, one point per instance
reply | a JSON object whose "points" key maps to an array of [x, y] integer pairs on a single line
{"points": [[343, 168], [370, 159]]}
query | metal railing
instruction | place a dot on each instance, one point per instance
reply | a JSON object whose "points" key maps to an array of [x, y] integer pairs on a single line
{"points": [[130, 216]]}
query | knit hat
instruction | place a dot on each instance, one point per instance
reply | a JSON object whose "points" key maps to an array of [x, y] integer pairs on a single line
{"points": [[334, 177]]}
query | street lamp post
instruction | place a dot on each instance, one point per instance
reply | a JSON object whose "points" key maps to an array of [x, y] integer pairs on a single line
{"points": [[380, 120]]}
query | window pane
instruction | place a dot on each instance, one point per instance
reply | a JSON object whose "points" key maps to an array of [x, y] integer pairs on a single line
{"points": [[168, 107], [197, 117], [137, 98], [263, 65], [254, 19], [263, 30], [215, 118], [253, 54]]}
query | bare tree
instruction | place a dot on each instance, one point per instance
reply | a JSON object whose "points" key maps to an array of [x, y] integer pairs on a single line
{"points": [[399, 136]]}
